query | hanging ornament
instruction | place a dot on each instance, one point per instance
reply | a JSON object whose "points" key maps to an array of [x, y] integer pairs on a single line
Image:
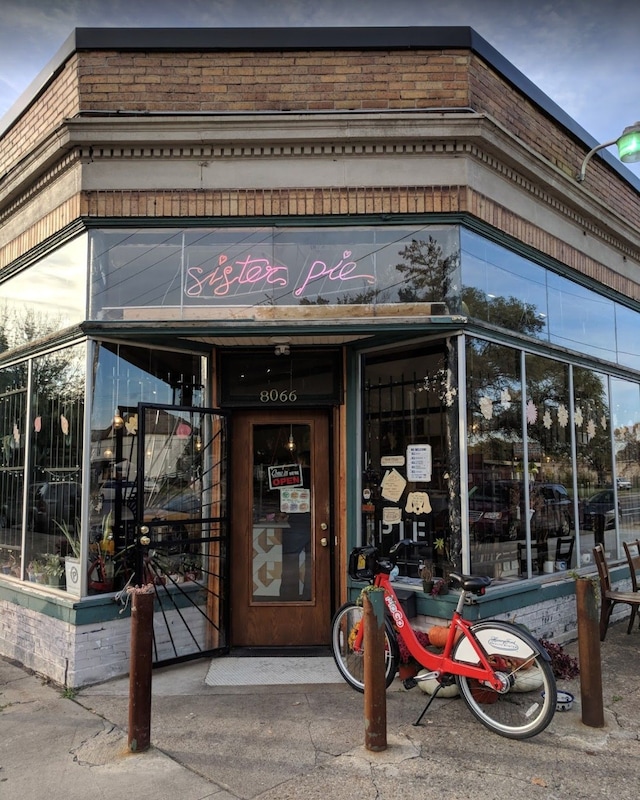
{"points": [[486, 407], [563, 416]]}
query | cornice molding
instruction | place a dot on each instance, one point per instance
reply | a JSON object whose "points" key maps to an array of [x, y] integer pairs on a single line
{"points": [[89, 140]]}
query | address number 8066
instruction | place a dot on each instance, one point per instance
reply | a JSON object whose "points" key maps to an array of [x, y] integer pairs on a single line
{"points": [[278, 396]]}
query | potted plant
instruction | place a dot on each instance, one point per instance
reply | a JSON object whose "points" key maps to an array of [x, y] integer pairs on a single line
{"points": [[72, 557], [443, 556], [7, 562], [426, 573], [54, 569], [440, 586], [36, 571], [408, 666]]}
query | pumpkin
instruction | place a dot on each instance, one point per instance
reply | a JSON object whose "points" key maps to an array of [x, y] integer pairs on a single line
{"points": [[438, 635], [429, 686]]}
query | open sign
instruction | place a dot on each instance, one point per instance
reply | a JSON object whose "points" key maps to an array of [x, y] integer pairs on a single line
{"points": [[285, 475]]}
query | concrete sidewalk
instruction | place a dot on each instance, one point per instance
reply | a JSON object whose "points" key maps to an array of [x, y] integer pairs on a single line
{"points": [[308, 742]]}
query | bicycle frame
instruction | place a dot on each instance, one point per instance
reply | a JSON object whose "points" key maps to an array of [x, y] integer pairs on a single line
{"points": [[438, 663]]}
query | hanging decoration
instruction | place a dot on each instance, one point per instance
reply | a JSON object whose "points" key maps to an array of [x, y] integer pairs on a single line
{"points": [[563, 416], [486, 407]]}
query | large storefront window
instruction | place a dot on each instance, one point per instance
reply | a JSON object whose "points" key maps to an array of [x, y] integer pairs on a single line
{"points": [[13, 426], [408, 407], [496, 468], [45, 297], [41, 417], [592, 424], [549, 471], [539, 502], [504, 288], [123, 376], [625, 411], [184, 270]]}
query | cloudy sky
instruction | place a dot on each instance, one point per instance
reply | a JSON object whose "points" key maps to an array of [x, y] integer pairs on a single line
{"points": [[581, 53]]}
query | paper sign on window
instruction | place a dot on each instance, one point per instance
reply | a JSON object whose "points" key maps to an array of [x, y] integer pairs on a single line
{"points": [[419, 462]]}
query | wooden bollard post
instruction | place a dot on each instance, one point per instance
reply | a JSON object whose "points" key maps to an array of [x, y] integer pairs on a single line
{"points": [[140, 668], [375, 690], [589, 654]]}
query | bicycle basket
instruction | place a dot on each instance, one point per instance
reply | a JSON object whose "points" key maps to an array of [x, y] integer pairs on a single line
{"points": [[363, 563]]}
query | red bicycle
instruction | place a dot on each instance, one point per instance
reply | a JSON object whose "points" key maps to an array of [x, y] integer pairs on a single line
{"points": [[503, 673]]}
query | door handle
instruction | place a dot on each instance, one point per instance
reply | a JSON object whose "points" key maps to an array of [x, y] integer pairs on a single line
{"points": [[323, 526], [324, 541]]}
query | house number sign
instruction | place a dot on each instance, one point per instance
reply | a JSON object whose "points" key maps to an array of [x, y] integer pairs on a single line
{"points": [[278, 396]]}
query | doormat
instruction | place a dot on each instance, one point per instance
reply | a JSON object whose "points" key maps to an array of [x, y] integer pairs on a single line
{"points": [[264, 671]]}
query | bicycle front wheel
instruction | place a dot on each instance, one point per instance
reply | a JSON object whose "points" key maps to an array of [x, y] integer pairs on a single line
{"points": [[348, 658], [528, 703]]}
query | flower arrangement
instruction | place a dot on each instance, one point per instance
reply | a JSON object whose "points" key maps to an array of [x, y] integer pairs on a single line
{"points": [[563, 665], [440, 586], [405, 655]]}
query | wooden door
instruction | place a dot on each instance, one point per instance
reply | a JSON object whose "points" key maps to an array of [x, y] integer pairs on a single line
{"points": [[280, 529]]}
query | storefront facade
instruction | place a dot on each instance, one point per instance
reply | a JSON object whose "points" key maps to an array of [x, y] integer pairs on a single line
{"points": [[250, 323]]}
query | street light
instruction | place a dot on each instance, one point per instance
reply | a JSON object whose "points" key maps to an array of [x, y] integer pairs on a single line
{"points": [[628, 148]]}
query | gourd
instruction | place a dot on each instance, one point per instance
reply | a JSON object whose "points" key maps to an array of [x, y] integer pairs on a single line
{"points": [[438, 635]]}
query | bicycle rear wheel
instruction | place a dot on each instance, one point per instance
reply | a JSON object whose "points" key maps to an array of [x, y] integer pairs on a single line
{"points": [[349, 660], [529, 703]]}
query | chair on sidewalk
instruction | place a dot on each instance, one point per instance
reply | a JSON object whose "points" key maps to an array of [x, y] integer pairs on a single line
{"points": [[610, 598]]}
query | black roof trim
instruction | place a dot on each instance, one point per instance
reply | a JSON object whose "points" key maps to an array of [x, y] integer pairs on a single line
{"points": [[251, 39]]}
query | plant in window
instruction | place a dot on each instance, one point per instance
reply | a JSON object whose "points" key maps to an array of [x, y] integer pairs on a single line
{"points": [[7, 562], [426, 574], [72, 537], [440, 586]]}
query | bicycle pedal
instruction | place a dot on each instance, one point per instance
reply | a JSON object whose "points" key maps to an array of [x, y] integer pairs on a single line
{"points": [[426, 676], [409, 683]]}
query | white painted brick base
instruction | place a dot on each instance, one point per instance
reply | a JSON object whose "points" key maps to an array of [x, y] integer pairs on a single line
{"points": [[77, 656]]}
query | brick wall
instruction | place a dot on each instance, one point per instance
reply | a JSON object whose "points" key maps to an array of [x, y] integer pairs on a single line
{"points": [[80, 655], [307, 81]]}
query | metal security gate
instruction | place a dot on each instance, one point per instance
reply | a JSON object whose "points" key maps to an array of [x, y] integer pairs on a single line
{"points": [[181, 527]]}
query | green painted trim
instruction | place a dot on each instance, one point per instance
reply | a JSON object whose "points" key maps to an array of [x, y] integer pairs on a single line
{"points": [[74, 611], [497, 600]]}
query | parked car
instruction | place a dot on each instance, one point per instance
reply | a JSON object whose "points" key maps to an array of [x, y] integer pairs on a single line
{"points": [[623, 483], [55, 502], [600, 504], [496, 511]]}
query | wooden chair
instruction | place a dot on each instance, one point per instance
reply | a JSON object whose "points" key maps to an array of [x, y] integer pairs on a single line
{"points": [[633, 561], [564, 550], [538, 556], [610, 598]]}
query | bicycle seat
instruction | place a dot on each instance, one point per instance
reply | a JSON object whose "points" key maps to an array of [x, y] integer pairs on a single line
{"points": [[475, 584]]}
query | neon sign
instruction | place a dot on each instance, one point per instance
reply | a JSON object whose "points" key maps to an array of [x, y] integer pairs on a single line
{"points": [[257, 273]]}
